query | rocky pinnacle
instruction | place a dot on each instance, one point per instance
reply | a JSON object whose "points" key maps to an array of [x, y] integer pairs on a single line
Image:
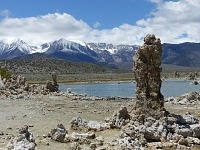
{"points": [[147, 61]]}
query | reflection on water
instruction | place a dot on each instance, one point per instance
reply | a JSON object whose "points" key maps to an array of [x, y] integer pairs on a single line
{"points": [[127, 89]]}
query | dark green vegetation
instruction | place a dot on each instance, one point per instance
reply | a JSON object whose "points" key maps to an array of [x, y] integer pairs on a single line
{"points": [[47, 65], [5, 73]]}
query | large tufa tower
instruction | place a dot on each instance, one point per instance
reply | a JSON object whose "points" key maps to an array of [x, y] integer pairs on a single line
{"points": [[147, 61]]}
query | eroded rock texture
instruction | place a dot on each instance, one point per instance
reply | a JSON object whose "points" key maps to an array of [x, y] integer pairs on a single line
{"points": [[24, 141], [17, 85], [52, 86], [147, 61]]}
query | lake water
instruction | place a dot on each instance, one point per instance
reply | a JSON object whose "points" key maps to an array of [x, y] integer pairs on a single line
{"points": [[170, 88]]}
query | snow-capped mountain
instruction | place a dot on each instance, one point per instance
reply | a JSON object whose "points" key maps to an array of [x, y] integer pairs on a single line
{"points": [[69, 50], [113, 49], [183, 54], [63, 45], [64, 49], [22, 46], [114, 53], [16, 48]]}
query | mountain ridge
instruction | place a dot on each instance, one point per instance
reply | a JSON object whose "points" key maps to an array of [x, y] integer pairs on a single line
{"points": [[184, 54]]}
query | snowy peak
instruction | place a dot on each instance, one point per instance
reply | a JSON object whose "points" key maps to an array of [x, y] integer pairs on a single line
{"points": [[3, 47], [113, 49], [21, 46], [18, 42], [16, 48], [64, 42], [64, 45], [102, 46]]}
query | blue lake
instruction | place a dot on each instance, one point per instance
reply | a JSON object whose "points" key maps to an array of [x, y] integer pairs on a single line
{"points": [[170, 88]]}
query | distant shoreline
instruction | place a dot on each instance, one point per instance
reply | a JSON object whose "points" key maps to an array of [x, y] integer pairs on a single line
{"points": [[95, 81], [98, 81], [86, 81]]}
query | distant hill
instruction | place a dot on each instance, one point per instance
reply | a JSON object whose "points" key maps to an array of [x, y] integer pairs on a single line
{"points": [[185, 54], [47, 65]]}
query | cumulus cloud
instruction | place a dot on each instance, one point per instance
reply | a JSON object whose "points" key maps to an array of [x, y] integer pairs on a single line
{"points": [[36, 30], [124, 34], [172, 21]]}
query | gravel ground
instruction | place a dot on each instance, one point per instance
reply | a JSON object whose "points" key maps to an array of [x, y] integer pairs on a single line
{"points": [[43, 112]]}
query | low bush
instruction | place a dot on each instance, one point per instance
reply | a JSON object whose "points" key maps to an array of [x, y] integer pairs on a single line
{"points": [[5, 73]]}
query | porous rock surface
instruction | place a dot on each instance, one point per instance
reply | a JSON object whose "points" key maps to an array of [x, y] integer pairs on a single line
{"points": [[77, 123], [17, 84], [76, 140], [52, 86], [147, 61], [191, 98], [59, 133], [24, 141], [119, 118]]}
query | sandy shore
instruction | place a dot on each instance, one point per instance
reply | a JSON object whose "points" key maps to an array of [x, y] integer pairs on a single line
{"points": [[43, 112]]}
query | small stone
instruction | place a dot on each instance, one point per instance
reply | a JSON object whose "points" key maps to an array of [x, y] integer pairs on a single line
{"points": [[183, 141], [83, 135], [93, 145], [30, 125], [99, 140], [59, 133], [101, 148], [10, 128], [24, 140], [185, 132]]}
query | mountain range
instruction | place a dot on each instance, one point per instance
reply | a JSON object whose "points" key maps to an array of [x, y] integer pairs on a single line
{"points": [[183, 54]]}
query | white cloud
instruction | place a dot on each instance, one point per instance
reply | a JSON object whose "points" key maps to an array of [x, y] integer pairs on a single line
{"points": [[36, 30], [171, 21], [96, 25], [5, 13], [124, 34], [155, 1]]}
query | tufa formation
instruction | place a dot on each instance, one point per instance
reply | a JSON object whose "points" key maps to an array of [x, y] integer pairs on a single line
{"points": [[52, 86], [147, 61]]}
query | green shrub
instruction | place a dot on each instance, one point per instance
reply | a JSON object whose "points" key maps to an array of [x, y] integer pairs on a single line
{"points": [[5, 73]]}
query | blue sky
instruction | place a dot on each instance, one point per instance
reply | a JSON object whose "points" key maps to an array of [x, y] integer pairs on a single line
{"points": [[109, 13], [110, 21]]}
